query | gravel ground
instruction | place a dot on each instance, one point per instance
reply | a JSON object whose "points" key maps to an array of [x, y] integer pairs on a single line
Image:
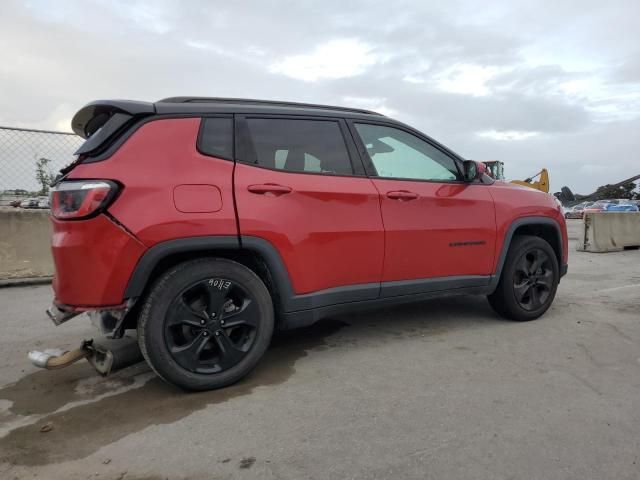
{"points": [[440, 389]]}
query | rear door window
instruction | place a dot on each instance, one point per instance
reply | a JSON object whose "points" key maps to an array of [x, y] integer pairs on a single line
{"points": [[307, 146]]}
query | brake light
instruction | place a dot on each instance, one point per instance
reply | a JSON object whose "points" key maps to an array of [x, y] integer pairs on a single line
{"points": [[75, 200]]}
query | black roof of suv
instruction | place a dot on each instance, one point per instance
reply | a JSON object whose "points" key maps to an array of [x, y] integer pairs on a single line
{"points": [[102, 121], [213, 105], [109, 118], [193, 104]]}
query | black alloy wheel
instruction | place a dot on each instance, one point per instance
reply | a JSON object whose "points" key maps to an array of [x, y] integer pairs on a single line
{"points": [[533, 279], [211, 325], [528, 281], [205, 323]]}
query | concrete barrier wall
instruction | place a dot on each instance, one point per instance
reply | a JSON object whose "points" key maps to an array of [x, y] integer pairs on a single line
{"points": [[609, 232], [25, 239]]}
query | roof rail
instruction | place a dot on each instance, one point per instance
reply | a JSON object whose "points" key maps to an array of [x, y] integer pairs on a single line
{"points": [[275, 103]]}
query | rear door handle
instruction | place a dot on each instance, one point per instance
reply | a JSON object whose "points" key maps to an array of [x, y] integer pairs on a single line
{"points": [[274, 188], [402, 195]]}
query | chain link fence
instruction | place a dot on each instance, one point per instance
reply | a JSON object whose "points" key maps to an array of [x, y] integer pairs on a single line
{"points": [[29, 160]]}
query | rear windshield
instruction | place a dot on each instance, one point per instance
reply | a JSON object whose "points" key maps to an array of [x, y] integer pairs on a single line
{"points": [[101, 129]]}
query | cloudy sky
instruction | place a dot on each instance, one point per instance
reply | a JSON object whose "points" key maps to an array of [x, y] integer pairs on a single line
{"points": [[535, 84]]}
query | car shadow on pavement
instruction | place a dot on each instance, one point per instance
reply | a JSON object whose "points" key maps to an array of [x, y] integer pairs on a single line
{"points": [[71, 413]]}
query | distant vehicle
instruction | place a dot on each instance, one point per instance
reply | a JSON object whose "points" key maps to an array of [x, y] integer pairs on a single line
{"points": [[29, 203], [43, 202], [578, 210], [621, 207], [614, 205], [575, 212], [15, 203], [33, 202], [599, 206]]}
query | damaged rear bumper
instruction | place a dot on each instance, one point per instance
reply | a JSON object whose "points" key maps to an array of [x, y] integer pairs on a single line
{"points": [[110, 319], [59, 314]]}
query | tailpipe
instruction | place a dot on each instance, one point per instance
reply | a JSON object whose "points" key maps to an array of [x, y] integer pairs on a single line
{"points": [[54, 358], [104, 359]]}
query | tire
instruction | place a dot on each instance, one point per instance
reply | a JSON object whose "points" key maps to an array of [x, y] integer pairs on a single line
{"points": [[523, 293], [205, 323]]}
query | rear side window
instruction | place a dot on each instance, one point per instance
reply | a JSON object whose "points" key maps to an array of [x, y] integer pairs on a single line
{"points": [[310, 146], [216, 137]]}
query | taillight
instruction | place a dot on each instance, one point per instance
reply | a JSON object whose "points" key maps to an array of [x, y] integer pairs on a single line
{"points": [[78, 199]]}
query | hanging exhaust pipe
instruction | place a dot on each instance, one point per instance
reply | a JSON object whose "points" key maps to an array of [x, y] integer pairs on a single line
{"points": [[123, 353], [54, 358]]}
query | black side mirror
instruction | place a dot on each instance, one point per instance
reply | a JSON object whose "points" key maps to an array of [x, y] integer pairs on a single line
{"points": [[473, 170]]}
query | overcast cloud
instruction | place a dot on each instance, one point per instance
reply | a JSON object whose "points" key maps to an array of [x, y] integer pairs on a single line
{"points": [[551, 84]]}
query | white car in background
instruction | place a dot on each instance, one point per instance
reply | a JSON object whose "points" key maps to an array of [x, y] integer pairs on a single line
{"points": [[35, 202], [29, 203]]}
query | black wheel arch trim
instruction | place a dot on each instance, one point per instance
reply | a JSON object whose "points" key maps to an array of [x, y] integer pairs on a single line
{"points": [[563, 270], [521, 222], [152, 257]]}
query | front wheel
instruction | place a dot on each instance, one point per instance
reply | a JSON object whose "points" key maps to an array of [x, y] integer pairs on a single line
{"points": [[529, 280], [206, 323]]}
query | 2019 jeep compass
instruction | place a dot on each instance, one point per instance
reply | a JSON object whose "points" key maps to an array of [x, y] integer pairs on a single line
{"points": [[206, 223]]}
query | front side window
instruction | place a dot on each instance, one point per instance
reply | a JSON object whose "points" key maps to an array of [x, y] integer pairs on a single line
{"points": [[398, 154], [310, 146]]}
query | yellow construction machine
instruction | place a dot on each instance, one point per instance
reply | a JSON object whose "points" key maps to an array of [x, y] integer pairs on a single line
{"points": [[495, 169]]}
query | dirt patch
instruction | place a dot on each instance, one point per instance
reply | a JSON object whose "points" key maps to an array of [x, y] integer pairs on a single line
{"points": [[46, 391], [79, 431], [247, 462]]}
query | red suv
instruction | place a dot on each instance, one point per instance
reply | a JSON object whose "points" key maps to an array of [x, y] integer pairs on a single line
{"points": [[207, 223]]}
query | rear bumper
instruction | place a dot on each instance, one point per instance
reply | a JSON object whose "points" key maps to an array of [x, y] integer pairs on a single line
{"points": [[61, 313], [94, 260]]}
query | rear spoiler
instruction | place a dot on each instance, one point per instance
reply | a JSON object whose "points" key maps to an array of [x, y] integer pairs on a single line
{"points": [[101, 120]]}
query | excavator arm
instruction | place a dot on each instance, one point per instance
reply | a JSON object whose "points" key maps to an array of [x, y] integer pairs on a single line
{"points": [[541, 184], [495, 169]]}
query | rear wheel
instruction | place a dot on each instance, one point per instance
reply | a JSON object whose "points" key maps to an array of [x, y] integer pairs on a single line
{"points": [[529, 280], [206, 323]]}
